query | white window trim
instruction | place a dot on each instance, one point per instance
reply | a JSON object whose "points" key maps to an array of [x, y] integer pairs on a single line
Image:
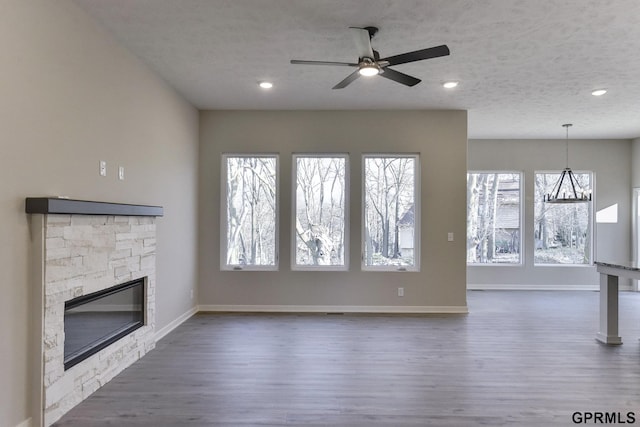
{"points": [[294, 186], [522, 198], [592, 225], [224, 220], [417, 214]]}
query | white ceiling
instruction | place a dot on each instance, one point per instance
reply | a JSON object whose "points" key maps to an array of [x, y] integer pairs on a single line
{"points": [[525, 67]]}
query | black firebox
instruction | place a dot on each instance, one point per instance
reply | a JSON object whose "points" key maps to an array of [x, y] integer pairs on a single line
{"points": [[97, 320]]}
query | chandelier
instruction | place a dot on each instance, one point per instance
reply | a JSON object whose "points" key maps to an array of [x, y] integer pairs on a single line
{"points": [[567, 189]]}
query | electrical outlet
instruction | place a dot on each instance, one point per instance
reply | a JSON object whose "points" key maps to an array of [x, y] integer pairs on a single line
{"points": [[103, 168], [121, 173], [450, 237], [400, 292]]}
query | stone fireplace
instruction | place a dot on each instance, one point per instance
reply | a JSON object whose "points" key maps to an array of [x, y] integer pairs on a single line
{"points": [[80, 249]]}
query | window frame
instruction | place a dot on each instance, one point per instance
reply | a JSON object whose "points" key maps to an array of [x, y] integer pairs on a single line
{"points": [[224, 219], [521, 219], [294, 201], [417, 201], [592, 223]]}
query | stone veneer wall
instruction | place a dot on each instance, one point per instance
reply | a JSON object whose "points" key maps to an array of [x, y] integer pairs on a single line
{"points": [[84, 254]]}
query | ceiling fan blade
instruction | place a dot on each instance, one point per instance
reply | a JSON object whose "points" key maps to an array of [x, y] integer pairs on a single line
{"points": [[344, 64], [399, 77], [346, 82], [418, 55], [362, 38]]}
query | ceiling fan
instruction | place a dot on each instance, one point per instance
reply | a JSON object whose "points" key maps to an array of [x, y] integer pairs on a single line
{"points": [[370, 64]]}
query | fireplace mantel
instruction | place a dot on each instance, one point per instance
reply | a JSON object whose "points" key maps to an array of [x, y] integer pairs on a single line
{"points": [[54, 205]]}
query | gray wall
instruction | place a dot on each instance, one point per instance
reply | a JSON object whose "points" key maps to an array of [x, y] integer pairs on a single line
{"points": [[635, 185], [441, 139], [610, 160], [635, 161], [70, 96]]}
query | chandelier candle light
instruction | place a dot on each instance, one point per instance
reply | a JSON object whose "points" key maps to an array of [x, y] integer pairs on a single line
{"points": [[576, 193]]}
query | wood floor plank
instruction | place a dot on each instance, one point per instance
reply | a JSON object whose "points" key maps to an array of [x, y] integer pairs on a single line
{"points": [[518, 358]]}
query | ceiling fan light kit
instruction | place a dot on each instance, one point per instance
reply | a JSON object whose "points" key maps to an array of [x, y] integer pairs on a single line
{"points": [[370, 64], [368, 69]]}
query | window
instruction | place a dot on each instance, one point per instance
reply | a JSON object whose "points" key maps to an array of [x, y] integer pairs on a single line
{"points": [[250, 212], [391, 211], [493, 218], [320, 212], [563, 232]]}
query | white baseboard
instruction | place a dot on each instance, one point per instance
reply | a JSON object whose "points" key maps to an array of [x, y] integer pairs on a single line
{"points": [[25, 423], [533, 287], [391, 309], [175, 323]]}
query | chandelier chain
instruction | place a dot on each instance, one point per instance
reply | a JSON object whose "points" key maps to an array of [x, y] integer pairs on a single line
{"points": [[567, 126]]}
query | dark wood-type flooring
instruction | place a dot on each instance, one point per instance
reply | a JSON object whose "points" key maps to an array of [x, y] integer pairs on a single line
{"points": [[519, 358]]}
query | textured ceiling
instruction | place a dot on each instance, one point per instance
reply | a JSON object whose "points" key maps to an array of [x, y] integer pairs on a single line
{"points": [[524, 67]]}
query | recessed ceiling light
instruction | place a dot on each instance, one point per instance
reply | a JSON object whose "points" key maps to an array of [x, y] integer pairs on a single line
{"points": [[450, 85], [599, 92], [265, 85]]}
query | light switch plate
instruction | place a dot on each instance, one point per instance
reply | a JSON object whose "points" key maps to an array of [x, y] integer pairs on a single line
{"points": [[450, 237], [121, 173]]}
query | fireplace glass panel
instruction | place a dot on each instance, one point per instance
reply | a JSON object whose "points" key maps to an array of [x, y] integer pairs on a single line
{"points": [[94, 321]]}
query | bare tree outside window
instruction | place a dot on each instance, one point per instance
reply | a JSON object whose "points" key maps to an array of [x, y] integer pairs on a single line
{"points": [[563, 232], [320, 211], [391, 212], [493, 218], [251, 211]]}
